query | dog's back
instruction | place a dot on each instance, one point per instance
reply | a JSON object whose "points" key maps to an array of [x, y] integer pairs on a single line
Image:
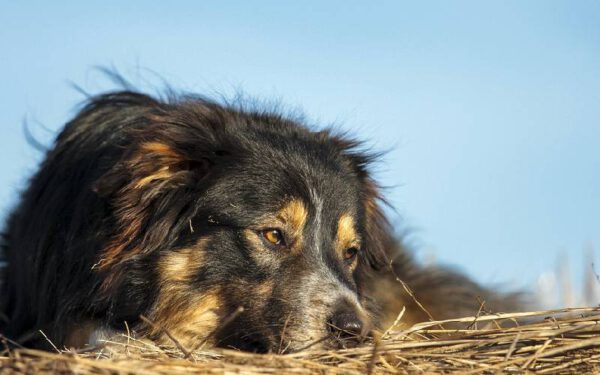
{"points": [[432, 292]]}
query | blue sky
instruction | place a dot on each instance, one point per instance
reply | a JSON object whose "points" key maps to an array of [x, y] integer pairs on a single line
{"points": [[490, 110]]}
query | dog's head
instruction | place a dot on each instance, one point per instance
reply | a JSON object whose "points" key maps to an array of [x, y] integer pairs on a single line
{"points": [[220, 209]]}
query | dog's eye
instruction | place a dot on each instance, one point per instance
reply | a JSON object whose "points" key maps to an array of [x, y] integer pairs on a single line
{"points": [[350, 253], [274, 236]]}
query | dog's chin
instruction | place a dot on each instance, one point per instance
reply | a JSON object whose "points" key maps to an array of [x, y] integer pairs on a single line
{"points": [[256, 343], [325, 343], [247, 342], [262, 345]]}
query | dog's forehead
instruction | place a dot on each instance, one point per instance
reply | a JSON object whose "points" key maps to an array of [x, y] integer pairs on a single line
{"points": [[320, 206], [266, 173]]}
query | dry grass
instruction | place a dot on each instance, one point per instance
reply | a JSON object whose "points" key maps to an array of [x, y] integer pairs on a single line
{"points": [[554, 341]]}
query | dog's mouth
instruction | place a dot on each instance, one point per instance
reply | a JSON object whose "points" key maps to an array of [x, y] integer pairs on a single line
{"points": [[262, 344], [249, 342]]}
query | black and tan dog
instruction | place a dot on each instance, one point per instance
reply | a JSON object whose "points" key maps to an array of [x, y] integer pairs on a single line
{"points": [[185, 211]]}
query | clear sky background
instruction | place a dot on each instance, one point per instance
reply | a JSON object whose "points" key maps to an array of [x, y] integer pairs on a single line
{"points": [[490, 110]]}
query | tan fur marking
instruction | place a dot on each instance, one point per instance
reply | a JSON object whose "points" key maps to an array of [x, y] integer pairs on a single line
{"points": [[187, 313], [165, 151], [162, 174], [181, 265], [252, 238], [265, 289], [346, 234], [166, 156], [346, 237], [294, 215]]}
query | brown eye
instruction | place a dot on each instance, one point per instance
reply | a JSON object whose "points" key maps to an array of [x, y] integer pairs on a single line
{"points": [[350, 253], [274, 236]]}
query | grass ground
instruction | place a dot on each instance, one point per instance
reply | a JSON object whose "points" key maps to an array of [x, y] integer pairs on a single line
{"points": [[542, 342]]}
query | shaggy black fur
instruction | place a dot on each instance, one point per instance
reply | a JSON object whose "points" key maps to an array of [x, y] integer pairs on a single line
{"points": [[150, 207]]}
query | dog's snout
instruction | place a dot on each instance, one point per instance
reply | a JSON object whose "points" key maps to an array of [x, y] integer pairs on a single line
{"points": [[346, 324]]}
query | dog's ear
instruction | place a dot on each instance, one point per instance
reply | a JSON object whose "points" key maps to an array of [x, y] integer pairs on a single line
{"points": [[153, 180], [379, 233], [153, 165], [379, 237]]}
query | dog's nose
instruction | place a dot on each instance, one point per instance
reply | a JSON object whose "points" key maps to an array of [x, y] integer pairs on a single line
{"points": [[345, 323]]}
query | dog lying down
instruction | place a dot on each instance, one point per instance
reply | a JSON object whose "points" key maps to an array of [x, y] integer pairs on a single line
{"points": [[217, 224]]}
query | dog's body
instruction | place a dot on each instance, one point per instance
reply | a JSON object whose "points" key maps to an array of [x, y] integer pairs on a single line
{"points": [[185, 212]]}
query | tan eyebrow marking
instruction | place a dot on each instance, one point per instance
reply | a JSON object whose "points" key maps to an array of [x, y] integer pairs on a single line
{"points": [[294, 214], [346, 233]]}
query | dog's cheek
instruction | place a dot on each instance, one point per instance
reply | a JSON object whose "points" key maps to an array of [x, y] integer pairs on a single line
{"points": [[263, 293], [187, 312]]}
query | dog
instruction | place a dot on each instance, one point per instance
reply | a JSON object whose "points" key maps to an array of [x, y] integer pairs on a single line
{"points": [[214, 223]]}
